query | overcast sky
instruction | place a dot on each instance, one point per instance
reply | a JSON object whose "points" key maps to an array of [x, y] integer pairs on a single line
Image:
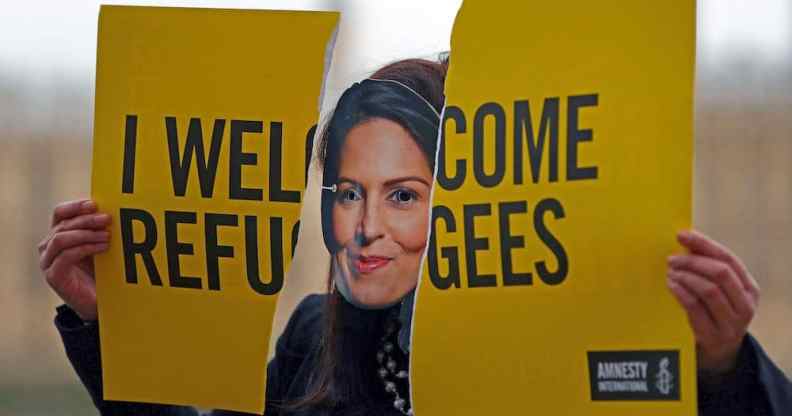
{"points": [[57, 35], [44, 36], [48, 50], [49, 46], [761, 28]]}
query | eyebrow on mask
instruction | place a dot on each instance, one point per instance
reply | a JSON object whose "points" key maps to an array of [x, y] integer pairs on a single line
{"points": [[347, 180], [407, 179], [389, 182]]}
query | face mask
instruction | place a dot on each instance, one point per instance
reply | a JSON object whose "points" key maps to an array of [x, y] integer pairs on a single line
{"points": [[424, 119]]}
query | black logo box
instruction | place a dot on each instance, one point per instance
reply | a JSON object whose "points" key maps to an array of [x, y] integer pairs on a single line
{"points": [[662, 380]]}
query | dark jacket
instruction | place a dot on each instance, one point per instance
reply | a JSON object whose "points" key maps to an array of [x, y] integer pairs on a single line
{"points": [[756, 388]]}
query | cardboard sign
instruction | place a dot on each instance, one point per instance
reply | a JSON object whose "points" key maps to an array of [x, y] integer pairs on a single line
{"points": [[563, 176], [202, 120]]}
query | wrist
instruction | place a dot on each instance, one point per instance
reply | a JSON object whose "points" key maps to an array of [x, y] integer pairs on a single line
{"points": [[718, 361], [68, 319]]}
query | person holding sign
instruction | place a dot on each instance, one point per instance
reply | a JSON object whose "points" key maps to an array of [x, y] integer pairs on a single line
{"points": [[346, 352]]}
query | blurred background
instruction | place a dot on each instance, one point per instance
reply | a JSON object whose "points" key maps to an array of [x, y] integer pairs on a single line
{"points": [[743, 174]]}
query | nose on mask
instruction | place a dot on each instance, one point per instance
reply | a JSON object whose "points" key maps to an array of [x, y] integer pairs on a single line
{"points": [[360, 239], [366, 230]]}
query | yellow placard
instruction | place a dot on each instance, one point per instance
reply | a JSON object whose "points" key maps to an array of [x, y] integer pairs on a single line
{"points": [[564, 174], [202, 118]]}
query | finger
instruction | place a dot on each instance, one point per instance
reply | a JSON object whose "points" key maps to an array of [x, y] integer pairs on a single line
{"points": [[721, 274], [699, 243], [58, 272], [68, 239], [85, 221], [698, 316], [43, 244], [713, 299], [69, 209]]}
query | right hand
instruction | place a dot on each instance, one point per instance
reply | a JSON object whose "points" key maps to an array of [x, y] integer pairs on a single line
{"points": [[77, 232]]}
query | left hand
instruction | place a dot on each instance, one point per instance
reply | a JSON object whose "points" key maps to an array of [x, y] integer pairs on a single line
{"points": [[719, 295]]}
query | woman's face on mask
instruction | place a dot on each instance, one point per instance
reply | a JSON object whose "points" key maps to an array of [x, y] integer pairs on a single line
{"points": [[381, 212]]}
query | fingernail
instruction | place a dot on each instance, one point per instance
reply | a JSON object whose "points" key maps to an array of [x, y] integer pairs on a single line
{"points": [[101, 218], [88, 206], [673, 260], [672, 275], [104, 234]]}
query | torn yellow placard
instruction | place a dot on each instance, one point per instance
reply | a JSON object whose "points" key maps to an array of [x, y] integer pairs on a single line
{"points": [[565, 174], [202, 118]]}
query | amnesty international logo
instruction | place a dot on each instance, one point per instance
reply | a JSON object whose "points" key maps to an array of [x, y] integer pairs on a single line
{"points": [[665, 380], [634, 375]]}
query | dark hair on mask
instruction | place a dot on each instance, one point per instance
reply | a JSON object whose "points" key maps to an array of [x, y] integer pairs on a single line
{"points": [[425, 77]]}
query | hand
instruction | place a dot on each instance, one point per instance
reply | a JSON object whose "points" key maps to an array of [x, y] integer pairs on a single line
{"points": [[719, 295], [77, 233]]}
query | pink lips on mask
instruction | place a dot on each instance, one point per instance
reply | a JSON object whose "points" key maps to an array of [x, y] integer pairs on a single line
{"points": [[368, 264]]}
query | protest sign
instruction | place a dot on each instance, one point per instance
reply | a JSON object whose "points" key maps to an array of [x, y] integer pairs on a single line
{"points": [[563, 175], [203, 118]]}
